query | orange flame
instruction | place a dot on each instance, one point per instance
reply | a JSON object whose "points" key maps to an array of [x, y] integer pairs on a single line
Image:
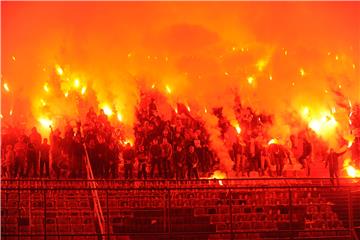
{"points": [[218, 175], [351, 170], [273, 141]]}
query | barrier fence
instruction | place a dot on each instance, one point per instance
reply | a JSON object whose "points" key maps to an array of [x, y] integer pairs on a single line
{"points": [[204, 209]]}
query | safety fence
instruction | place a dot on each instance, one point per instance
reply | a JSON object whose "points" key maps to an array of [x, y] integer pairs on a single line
{"points": [[204, 209]]}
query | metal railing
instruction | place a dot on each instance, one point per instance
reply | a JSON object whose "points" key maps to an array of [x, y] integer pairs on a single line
{"points": [[208, 199]]}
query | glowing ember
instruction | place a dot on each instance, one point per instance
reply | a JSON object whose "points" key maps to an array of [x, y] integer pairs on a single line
{"points": [[250, 80], [153, 86], [205, 110], [66, 94], [45, 122], [6, 87], [270, 77], [46, 87], [107, 110], [59, 70], [176, 110], [168, 89], [83, 90], [302, 72], [188, 108], [13, 58], [11, 112], [273, 141]]}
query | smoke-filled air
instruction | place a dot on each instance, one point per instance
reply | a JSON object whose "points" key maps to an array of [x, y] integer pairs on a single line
{"points": [[293, 65]]}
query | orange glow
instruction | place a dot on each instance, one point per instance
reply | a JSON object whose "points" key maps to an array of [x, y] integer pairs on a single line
{"points": [[45, 122], [168, 89], [6, 87], [59, 70], [218, 175], [351, 170], [66, 94], [76, 83], [302, 72], [250, 80], [46, 87], [11, 112], [273, 141], [13, 58], [188, 108], [119, 117], [153, 86], [261, 65], [107, 110], [43, 103], [83, 90]]}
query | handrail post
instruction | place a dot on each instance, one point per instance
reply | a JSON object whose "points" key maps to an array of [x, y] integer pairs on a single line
{"points": [[107, 213], [290, 214], [350, 215], [44, 214], [169, 213], [19, 210], [231, 215]]}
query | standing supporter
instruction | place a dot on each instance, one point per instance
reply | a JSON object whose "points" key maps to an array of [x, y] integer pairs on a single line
{"points": [[166, 155], [143, 158], [192, 162], [179, 162], [77, 153], [155, 154], [8, 161], [20, 150], [56, 152], [332, 161], [31, 160], [129, 157], [113, 160], [44, 158], [101, 157]]}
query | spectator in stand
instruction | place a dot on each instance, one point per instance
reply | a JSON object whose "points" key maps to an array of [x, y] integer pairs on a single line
{"points": [[31, 160], [129, 158], [35, 139], [166, 155], [332, 161], [143, 158], [101, 156], [56, 152], [44, 158], [77, 154], [179, 162], [155, 156], [8, 161], [192, 162], [114, 159], [20, 150]]}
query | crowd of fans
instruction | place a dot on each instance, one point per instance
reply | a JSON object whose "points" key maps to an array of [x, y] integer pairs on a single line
{"points": [[173, 148]]}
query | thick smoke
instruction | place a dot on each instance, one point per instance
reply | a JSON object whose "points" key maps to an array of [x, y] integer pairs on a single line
{"points": [[276, 57]]}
